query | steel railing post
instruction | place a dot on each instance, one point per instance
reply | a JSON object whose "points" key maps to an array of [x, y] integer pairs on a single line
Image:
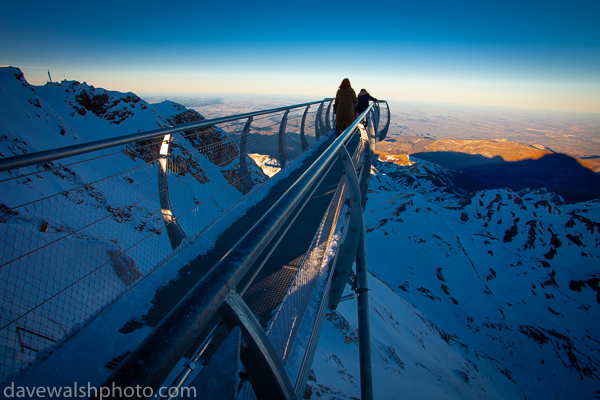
{"points": [[303, 142], [318, 124], [174, 230], [381, 136], [357, 228], [283, 156], [376, 115], [247, 182], [327, 121], [368, 161], [364, 328], [265, 369]]}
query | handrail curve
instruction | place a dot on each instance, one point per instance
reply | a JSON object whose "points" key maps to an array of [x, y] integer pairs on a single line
{"points": [[154, 359]]}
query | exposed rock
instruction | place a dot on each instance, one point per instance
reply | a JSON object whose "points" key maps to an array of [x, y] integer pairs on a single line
{"points": [[124, 266]]}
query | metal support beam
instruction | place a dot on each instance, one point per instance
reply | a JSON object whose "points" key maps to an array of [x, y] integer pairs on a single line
{"points": [[303, 141], [362, 287], [174, 230], [318, 125], [220, 377], [376, 114], [347, 297], [247, 182], [283, 156], [354, 245], [364, 328], [327, 122], [264, 367], [347, 250], [385, 129], [368, 161]]}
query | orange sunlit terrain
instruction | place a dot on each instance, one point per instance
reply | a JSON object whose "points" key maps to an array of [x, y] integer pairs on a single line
{"points": [[489, 148]]}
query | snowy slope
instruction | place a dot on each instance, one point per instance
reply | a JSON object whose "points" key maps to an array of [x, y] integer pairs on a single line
{"points": [[98, 224], [491, 294]]}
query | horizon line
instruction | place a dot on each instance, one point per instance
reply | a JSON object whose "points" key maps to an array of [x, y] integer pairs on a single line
{"points": [[421, 102]]}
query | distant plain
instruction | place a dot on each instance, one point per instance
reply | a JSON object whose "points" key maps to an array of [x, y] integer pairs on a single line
{"points": [[574, 134]]}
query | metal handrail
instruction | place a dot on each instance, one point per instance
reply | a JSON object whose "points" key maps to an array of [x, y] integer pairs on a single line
{"points": [[119, 185], [226, 275], [26, 160], [152, 361]]}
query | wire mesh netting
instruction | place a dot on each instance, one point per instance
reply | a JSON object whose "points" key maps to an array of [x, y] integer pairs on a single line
{"points": [[75, 236], [283, 329]]}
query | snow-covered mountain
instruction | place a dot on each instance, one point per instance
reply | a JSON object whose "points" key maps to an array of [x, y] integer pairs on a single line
{"points": [[100, 225], [474, 294], [490, 294], [55, 115]]}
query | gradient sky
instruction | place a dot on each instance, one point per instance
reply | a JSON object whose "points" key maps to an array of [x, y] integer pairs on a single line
{"points": [[532, 54]]}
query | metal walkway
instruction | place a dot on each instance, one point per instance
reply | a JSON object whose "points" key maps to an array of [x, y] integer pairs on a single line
{"points": [[245, 297], [285, 259]]}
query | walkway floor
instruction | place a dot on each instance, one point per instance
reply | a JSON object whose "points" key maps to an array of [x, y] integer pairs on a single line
{"points": [[271, 284]]}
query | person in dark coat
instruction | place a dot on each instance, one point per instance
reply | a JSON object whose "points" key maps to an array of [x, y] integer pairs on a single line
{"points": [[345, 100], [363, 101]]}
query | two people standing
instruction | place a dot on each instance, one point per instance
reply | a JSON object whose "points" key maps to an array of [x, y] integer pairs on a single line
{"points": [[347, 105]]}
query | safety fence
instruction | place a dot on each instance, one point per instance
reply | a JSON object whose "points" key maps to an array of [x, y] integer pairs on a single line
{"points": [[267, 361], [80, 232]]}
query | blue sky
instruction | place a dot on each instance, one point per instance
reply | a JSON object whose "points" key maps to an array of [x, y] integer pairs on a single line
{"points": [[533, 54]]}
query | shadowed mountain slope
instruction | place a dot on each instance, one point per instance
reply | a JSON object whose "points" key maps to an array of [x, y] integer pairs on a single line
{"points": [[489, 294], [557, 173]]}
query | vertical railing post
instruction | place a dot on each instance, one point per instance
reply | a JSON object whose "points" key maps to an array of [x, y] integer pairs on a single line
{"points": [[376, 116], [318, 127], [174, 231], [357, 224], [303, 141], [381, 136], [247, 182], [264, 367], [283, 156], [327, 122], [364, 329], [362, 287], [368, 161]]}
